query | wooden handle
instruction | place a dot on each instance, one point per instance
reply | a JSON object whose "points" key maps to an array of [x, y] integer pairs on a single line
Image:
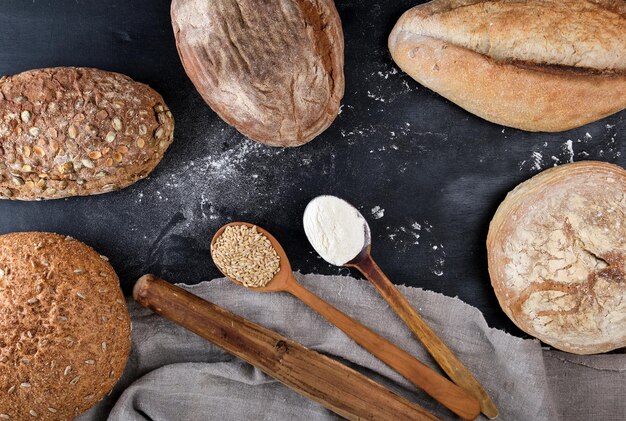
{"points": [[446, 359], [322, 379], [443, 390]]}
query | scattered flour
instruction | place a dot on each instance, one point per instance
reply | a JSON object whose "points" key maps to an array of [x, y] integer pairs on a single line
{"points": [[385, 75], [390, 81], [438, 259], [437, 268], [570, 150], [375, 97], [538, 160], [200, 188], [378, 212], [358, 131], [402, 237], [414, 234], [410, 235]]}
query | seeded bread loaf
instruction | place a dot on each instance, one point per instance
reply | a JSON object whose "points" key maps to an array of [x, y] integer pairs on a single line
{"points": [[271, 69], [557, 257], [64, 327], [77, 131], [537, 65]]}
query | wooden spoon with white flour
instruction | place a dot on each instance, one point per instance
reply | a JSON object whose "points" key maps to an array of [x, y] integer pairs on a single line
{"points": [[340, 234]]}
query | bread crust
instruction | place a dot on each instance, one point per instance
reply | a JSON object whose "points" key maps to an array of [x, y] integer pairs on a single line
{"points": [[69, 131], [271, 69], [557, 257], [64, 327], [536, 65]]}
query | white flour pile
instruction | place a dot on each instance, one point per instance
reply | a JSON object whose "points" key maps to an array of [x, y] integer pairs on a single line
{"points": [[335, 229]]}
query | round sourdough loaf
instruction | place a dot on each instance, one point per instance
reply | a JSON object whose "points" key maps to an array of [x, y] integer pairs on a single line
{"points": [[557, 257], [64, 327], [69, 131]]}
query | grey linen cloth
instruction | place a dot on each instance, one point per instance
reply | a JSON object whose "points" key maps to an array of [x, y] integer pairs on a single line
{"points": [[173, 374]]}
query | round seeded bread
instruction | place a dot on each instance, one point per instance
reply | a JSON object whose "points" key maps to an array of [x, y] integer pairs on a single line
{"points": [[64, 327], [557, 257], [70, 131]]}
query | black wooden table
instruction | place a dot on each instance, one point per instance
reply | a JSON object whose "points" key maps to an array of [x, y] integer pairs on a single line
{"points": [[427, 174]]}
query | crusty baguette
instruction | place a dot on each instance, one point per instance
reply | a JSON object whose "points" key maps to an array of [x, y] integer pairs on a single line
{"points": [[64, 327], [536, 65], [78, 131], [557, 256], [271, 69]]}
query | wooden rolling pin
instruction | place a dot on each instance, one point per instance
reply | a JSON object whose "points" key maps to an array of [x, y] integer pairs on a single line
{"points": [[322, 379]]}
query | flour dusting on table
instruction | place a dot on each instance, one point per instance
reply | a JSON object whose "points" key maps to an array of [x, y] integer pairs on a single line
{"points": [[377, 212], [574, 149]]}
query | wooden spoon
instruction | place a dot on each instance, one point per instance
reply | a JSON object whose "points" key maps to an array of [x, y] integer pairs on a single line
{"points": [[446, 359], [322, 379], [444, 356], [441, 389]]}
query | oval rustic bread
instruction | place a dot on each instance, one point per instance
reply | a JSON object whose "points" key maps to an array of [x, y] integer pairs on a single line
{"points": [[271, 69], [557, 257], [64, 327], [537, 65], [75, 131]]}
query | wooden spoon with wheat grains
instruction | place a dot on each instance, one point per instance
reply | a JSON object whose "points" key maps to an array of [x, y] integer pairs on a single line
{"points": [[441, 389]]}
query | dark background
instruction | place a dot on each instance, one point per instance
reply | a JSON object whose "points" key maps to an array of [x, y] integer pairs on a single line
{"points": [[438, 172]]}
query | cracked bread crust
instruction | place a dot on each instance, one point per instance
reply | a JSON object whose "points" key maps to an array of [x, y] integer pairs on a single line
{"points": [[64, 327], [578, 33], [538, 65], [271, 69], [69, 131], [557, 257]]}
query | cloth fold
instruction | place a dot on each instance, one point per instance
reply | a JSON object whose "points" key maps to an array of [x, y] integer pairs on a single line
{"points": [[174, 374]]}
